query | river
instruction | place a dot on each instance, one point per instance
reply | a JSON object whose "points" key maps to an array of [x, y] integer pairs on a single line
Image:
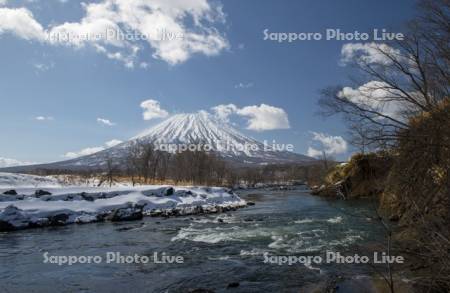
{"points": [[218, 250]]}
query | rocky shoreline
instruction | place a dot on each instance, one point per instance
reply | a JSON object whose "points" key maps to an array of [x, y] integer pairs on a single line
{"points": [[42, 209]]}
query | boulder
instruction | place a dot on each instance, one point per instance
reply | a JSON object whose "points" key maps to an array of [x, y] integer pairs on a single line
{"points": [[10, 192], [169, 191], [41, 192], [160, 192], [6, 226], [87, 197], [39, 222], [58, 219], [233, 285], [13, 218], [130, 213], [86, 218]]}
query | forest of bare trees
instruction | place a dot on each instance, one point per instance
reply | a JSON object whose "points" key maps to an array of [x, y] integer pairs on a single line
{"points": [[145, 164]]}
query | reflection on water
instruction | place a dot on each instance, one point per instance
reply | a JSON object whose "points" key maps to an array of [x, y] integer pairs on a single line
{"points": [[217, 249]]}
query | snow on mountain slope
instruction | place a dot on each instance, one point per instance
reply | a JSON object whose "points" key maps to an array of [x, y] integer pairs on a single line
{"points": [[201, 130]]}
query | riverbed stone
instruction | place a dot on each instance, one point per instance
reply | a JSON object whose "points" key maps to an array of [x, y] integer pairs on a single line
{"points": [[130, 213], [58, 219], [40, 192], [10, 192]]}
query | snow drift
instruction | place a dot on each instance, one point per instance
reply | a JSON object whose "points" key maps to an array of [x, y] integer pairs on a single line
{"points": [[9, 180]]}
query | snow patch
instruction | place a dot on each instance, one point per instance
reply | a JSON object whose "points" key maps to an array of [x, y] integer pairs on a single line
{"points": [[11, 180]]}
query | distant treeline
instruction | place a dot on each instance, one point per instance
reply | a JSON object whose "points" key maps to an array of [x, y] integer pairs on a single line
{"points": [[144, 164]]}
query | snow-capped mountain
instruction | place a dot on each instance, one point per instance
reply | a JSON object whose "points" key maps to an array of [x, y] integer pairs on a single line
{"points": [[199, 130]]}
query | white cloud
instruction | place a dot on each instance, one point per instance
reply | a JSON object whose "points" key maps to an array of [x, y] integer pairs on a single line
{"points": [[174, 30], [223, 111], [106, 122], [127, 59], [41, 67], [367, 53], [113, 142], [314, 153], [144, 65], [7, 162], [259, 118], [374, 95], [83, 152], [243, 85], [44, 118], [152, 110], [3, 2], [92, 150], [21, 22], [264, 117], [331, 145]]}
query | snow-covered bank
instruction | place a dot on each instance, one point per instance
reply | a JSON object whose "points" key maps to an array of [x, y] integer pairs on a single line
{"points": [[15, 180], [11, 180], [29, 207]]}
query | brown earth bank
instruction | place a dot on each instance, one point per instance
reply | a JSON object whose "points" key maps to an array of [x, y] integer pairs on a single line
{"points": [[411, 183], [363, 176]]}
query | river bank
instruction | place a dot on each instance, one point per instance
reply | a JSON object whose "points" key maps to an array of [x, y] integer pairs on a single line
{"points": [[24, 208]]}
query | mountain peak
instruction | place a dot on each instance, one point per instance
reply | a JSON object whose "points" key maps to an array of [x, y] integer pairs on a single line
{"points": [[181, 121], [180, 131], [199, 128], [203, 128]]}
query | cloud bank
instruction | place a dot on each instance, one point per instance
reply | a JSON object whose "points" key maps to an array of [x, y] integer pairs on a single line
{"points": [[259, 118], [224, 111], [367, 53], [7, 162], [120, 29], [330, 145], [377, 96], [91, 150], [153, 110]]}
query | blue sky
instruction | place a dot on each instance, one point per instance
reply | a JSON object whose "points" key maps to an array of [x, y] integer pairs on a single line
{"points": [[69, 86]]}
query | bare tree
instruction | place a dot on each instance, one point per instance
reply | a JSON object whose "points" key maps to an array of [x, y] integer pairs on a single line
{"points": [[110, 173], [401, 79]]}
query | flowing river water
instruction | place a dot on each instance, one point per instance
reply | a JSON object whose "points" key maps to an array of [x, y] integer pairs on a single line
{"points": [[218, 250]]}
